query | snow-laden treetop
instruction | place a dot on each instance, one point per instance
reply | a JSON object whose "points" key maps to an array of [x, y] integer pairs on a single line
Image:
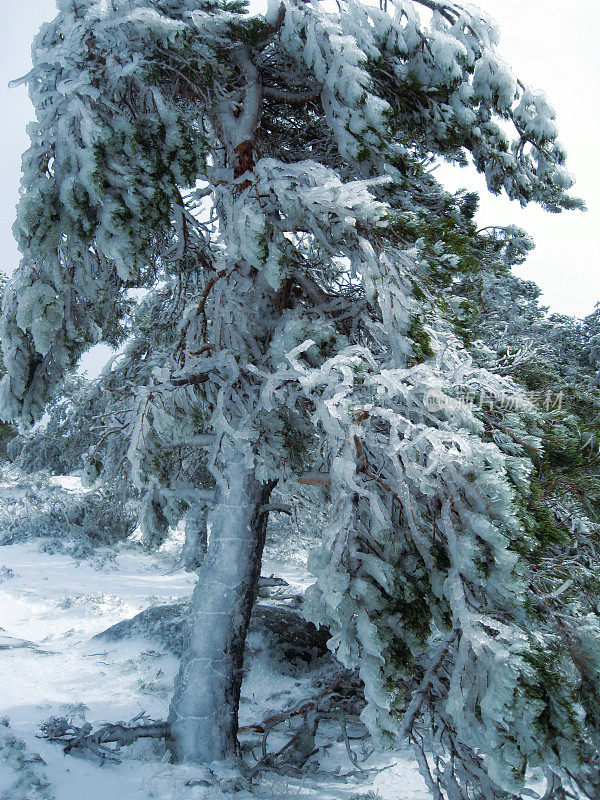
{"points": [[131, 98]]}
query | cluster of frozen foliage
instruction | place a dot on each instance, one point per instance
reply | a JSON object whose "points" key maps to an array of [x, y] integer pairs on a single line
{"points": [[21, 776], [61, 441], [316, 310], [61, 520]]}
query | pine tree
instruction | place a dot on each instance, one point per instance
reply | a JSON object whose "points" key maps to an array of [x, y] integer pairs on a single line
{"points": [[310, 319], [61, 444]]}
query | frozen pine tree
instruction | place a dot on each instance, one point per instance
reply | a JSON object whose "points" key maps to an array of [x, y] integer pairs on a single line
{"points": [[307, 320]]}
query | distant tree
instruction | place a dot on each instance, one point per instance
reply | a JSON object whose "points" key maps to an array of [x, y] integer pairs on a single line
{"points": [[592, 343], [61, 443], [311, 319]]}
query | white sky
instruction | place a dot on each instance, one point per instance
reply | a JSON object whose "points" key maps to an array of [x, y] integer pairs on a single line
{"points": [[550, 44]]}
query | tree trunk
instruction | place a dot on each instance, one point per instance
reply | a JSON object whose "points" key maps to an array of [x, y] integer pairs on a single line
{"points": [[204, 709]]}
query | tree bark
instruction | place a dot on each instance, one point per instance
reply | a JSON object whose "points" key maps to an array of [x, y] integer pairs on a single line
{"points": [[204, 709]]}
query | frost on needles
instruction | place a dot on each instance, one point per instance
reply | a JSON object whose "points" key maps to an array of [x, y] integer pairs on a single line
{"points": [[308, 288]]}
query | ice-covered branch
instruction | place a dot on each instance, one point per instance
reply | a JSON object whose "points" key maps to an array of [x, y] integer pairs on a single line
{"points": [[96, 743]]}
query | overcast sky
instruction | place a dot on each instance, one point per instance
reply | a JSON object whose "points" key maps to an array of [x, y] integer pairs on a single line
{"points": [[550, 44]]}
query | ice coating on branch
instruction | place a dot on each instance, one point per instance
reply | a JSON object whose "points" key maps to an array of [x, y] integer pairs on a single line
{"points": [[457, 83]]}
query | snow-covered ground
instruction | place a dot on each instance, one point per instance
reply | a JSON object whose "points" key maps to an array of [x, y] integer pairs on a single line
{"points": [[52, 605]]}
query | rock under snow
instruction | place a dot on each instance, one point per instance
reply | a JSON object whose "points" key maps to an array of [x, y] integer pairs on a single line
{"points": [[284, 633], [12, 643]]}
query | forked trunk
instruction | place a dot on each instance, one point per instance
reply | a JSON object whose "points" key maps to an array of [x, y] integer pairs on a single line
{"points": [[204, 709]]}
